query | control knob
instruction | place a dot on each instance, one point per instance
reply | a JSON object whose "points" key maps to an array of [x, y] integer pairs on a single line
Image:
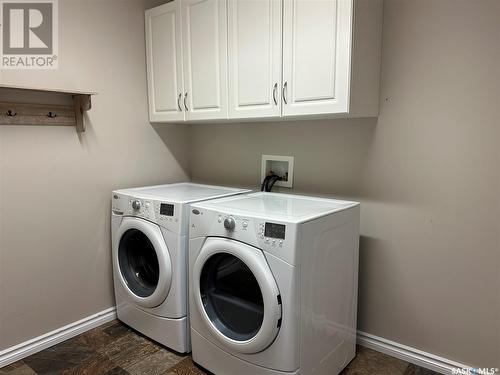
{"points": [[136, 205], [229, 223]]}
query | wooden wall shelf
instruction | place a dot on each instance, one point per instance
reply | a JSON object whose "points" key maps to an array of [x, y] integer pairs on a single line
{"points": [[40, 106]]}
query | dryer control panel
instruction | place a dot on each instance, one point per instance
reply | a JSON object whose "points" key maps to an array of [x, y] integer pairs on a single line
{"points": [[269, 234], [275, 237], [274, 230], [273, 234]]}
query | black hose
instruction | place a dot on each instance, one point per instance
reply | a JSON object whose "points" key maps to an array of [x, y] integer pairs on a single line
{"points": [[272, 180], [263, 187]]}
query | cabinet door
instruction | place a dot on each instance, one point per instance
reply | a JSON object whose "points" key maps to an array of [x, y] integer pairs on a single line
{"points": [[204, 30], [254, 58], [316, 56], [164, 62]]}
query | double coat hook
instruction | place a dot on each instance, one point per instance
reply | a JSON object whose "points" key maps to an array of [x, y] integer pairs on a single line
{"points": [[10, 113]]}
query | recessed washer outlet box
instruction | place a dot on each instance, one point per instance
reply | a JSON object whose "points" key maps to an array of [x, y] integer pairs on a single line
{"points": [[279, 165]]}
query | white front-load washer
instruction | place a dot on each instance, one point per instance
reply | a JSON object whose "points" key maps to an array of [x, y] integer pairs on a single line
{"points": [[149, 230], [273, 284]]}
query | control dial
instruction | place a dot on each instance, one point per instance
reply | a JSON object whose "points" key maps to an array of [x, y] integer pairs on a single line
{"points": [[136, 205], [229, 223]]}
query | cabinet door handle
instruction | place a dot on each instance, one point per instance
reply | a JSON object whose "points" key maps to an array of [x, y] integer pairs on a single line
{"points": [[285, 92], [179, 101], [185, 98], [274, 93]]}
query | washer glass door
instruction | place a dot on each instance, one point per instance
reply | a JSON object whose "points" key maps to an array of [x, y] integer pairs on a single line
{"points": [[143, 261], [138, 263]]}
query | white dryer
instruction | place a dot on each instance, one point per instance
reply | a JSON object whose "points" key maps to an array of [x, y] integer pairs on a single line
{"points": [[273, 284], [149, 230]]}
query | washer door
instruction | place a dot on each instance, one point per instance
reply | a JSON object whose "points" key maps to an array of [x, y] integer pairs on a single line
{"points": [[143, 262], [236, 295]]}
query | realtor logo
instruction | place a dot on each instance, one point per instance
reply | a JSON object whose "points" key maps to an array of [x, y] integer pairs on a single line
{"points": [[29, 34]]}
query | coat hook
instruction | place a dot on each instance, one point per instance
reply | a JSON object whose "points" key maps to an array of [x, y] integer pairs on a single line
{"points": [[51, 115], [10, 113]]}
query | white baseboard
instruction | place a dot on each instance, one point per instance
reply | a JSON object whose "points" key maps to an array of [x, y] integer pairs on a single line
{"points": [[27, 348], [394, 349], [409, 354]]}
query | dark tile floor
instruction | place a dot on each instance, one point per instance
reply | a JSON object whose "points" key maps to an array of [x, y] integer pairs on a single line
{"points": [[115, 349]]}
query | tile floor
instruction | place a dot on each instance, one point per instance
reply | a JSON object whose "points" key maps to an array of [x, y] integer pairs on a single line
{"points": [[115, 349]]}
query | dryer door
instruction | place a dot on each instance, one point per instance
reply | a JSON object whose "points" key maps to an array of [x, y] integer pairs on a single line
{"points": [[236, 295], [143, 261]]}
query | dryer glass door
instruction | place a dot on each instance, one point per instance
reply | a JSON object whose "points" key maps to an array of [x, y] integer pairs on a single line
{"points": [[231, 296], [236, 294]]}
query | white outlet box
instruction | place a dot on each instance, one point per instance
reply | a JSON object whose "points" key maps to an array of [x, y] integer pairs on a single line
{"points": [[279, 165]]}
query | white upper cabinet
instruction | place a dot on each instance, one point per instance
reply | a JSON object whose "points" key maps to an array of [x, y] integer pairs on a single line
{"points": [[204, 30], [316, 51], [331, 57], [254, 58], [164, 62], [213, 60]]}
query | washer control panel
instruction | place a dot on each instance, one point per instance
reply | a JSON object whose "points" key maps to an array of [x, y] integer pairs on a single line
{"points": [[166, 212], [163, 213], [138, 207]]}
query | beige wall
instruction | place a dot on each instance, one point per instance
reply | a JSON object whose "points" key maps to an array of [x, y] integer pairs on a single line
{"points": [[427, 174], [55, 186]]}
